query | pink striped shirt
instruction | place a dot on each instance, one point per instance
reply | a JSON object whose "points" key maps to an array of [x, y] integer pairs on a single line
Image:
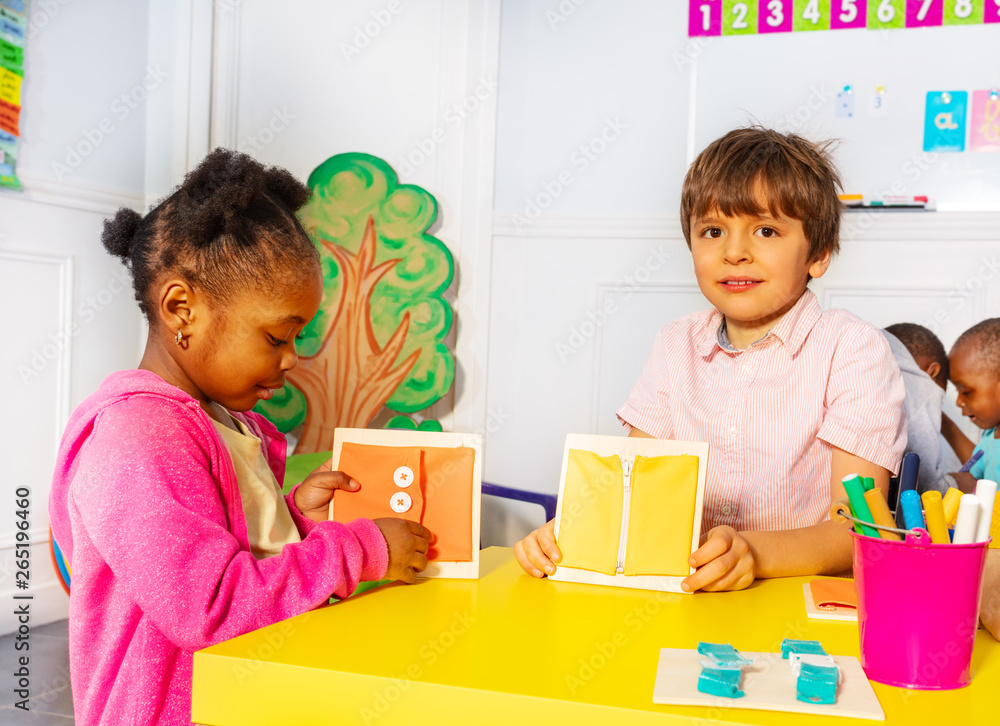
{"points": [[771, 413]]}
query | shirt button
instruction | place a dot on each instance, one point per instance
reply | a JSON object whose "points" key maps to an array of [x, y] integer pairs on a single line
{"points": [[726, 509], [403, 476], [400, 502], [746, 366], [732, 431]]}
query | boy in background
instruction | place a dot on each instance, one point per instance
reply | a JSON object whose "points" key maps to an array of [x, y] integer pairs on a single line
{"points": [[923, 362], [790, 398], [975, 371]]}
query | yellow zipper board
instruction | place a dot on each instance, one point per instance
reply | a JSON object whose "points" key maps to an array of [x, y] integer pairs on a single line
{"points": [[629, 511]]}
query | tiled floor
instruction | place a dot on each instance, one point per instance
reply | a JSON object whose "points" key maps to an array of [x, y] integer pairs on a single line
{"points": [[50, 702]]}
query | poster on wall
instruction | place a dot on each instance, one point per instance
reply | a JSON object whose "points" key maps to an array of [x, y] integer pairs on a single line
{"points": [[13, 29], [729, 17]]}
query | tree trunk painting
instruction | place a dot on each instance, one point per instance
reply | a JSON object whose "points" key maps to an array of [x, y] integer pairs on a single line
{"points": [[378, 338], [349, 380]]}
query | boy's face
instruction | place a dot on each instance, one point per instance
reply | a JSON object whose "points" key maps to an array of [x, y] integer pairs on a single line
{"points": [[753, 269], [978, 387]]}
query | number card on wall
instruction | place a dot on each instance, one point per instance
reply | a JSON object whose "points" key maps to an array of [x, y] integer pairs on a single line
{"points": [[735, 17]]}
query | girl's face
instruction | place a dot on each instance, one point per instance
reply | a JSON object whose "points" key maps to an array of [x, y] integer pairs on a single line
{"points": [[240, 352], [977, 385]]}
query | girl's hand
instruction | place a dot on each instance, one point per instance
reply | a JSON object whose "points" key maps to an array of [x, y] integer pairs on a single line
{"points": [[313, 495], [538, 553], [408, 543], [724, 562]]}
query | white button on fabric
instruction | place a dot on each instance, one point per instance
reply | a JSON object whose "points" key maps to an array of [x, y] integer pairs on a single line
{"points": [[727, 510], [403, 476], [400, 502], [746, 366], [732, 431]]}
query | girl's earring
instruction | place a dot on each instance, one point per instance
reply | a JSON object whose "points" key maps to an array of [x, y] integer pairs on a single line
{"points": [[178, 338]]}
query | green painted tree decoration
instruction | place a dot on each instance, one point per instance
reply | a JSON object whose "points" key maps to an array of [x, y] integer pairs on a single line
{"points": [[378, 337]]}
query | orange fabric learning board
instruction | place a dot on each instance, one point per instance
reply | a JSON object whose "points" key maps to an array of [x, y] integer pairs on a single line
{"points": [[430, 485]]}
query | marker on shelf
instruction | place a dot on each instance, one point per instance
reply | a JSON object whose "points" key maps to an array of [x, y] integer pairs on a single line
{"points": [[967, 521], [934, 513], [986, 493], [869, 483]]}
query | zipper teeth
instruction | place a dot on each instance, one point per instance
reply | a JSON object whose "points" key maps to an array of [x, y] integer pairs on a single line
{"points": [[626, 505]]}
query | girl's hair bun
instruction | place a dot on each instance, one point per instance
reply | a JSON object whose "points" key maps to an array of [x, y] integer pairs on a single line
{"points": [[286, 188], [120, 232]]}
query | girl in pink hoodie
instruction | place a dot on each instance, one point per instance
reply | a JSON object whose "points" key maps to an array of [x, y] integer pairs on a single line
{"points": [[146, 502]]}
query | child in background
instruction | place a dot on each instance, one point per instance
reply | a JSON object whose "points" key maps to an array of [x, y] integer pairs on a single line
{"points": [[923, 363], [975, 372], [167, 491], [789, 397]]}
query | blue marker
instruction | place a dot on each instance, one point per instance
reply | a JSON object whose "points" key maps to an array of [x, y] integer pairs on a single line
{"points": [[909, 501], [976, 456]]}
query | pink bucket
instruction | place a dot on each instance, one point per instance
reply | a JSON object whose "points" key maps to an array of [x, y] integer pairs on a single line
{"points": [[918, 610]]}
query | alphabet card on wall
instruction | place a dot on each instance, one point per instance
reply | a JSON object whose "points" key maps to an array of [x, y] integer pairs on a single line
{"points": [[433, 478], [629, 511], [984, 121], [944, 121]]}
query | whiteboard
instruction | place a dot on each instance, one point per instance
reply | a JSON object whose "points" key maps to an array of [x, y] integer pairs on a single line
{"points": [[790, 81]]}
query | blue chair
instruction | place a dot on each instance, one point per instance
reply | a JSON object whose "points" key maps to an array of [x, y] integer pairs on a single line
{"points": [[546, 501]]}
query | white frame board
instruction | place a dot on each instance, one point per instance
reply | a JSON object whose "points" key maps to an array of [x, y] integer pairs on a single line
{"points": [[426, 439], [628, 447]]}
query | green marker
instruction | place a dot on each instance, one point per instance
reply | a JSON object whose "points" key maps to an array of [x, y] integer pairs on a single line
{"points": [[869, 483], [855, 487]]}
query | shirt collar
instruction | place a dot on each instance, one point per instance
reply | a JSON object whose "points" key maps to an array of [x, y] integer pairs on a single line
{"points": [[792, 330]]}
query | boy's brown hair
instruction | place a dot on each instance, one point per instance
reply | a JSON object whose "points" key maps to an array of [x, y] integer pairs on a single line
{"points": [[792, 176]]}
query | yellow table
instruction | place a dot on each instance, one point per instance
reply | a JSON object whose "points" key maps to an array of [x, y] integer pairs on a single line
{"points": [[510, 649]]}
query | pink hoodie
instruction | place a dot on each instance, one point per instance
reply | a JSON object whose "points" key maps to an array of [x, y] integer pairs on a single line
{"points": [[146, 507]]}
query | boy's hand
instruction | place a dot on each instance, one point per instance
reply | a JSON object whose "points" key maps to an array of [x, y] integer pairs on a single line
{"points": [[313, 495], [724, 562], [408, 543], [538, 553]]}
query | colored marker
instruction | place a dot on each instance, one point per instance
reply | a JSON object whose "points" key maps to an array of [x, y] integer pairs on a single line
{"points": [[855, 488], [967, 521], [881, 514], [909, 501], [950, 504], [976, 456], [869, 484], [986, 493], [934, 512]]}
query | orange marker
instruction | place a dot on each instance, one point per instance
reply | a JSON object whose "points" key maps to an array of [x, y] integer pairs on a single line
{"points": [[950, 504], [934, 516], [881, 514]]}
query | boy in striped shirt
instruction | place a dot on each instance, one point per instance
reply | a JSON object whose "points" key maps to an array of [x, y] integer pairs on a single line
{"points": [[790, 398]]}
